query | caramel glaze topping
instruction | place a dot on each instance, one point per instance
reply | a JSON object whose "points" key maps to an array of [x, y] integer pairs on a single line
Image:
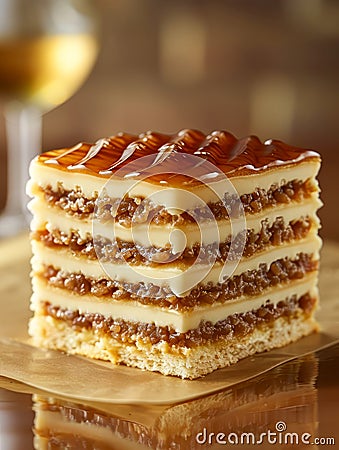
{"points": [[120, 155]]}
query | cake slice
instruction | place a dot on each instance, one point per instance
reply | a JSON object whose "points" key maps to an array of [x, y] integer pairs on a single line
{"points": [[174, 253]]}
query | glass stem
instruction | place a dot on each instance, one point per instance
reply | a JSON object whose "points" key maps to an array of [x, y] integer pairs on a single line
{"points": [[24, 134]]}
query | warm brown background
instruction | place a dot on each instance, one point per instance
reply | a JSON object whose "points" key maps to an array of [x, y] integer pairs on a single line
{"points": [[261, 67]]}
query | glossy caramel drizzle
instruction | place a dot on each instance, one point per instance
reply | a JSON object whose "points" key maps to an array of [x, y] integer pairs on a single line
{"points": [[120, 154]]}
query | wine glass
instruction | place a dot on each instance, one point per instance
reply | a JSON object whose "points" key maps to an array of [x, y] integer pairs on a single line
{"points": [[47, 49]]}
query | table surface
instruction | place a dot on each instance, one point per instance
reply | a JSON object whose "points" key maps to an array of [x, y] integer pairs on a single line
{"points": [[302, 393]]}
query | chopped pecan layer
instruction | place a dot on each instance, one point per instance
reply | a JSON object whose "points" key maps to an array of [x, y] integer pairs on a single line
{"points": [[130, 210], [250, 283], [236, 325], [107, 251]]}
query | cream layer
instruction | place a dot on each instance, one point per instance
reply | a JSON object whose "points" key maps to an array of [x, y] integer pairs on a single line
{"points": [[164, 236], [178, 280], [173, 199], [181, 322]]}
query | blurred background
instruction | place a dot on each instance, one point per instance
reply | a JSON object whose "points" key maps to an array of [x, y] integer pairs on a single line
{"points": [[263, 67]]}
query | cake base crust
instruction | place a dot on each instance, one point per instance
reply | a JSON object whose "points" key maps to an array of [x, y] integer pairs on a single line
{"points": [[183, 362]]}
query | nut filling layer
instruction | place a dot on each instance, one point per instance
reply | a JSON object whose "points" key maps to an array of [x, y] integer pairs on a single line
{"points": [[236, 325], [137, 210], [250, 283], [107, 251]]}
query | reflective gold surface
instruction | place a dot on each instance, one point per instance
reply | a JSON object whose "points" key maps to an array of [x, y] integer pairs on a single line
{"points": [[299, 397]]}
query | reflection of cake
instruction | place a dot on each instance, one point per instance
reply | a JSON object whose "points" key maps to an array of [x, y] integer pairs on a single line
{"points": [[286, 394], [130, 298]]}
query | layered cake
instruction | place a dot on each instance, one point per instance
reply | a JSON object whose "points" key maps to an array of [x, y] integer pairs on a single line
{"points": [[177, 253], [242, 412]]}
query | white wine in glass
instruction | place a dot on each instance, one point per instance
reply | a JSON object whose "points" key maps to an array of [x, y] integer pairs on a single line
{"points": [[47, 49]]}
